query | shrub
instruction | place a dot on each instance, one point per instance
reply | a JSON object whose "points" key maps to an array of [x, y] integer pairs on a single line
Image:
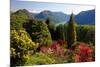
{"points": [[84, 53], [21, 45], [55, 51], [39, 59]]}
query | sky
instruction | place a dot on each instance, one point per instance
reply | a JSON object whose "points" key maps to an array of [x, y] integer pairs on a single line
{"points": [[36, 7]]}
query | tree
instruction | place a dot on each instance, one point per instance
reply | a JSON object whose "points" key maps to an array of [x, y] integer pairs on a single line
{"points": [[86, 33], [38, 31], [65, 31], [60, 32], [71, 31], [51, 28]]}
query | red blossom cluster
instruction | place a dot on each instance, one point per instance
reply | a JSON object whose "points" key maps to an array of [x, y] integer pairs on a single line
{"points": [[84, 53], [54, 48]]}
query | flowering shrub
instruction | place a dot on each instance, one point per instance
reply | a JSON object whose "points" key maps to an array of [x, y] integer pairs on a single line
{"points": [[54, 48], [55, 51], [83, 53]]}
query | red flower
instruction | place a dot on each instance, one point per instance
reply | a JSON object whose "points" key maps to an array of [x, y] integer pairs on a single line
{"points": [[84, 52]]}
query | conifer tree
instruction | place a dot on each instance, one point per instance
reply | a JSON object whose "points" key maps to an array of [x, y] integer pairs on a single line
{"points": [[51, 27], [71, 31]]}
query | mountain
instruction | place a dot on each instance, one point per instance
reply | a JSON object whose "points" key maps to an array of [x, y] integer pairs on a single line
{"points": [[55, 17], [83, 18], [86, 17]]}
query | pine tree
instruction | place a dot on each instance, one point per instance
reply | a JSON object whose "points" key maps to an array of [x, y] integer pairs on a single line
{"points": [[71, 31], [51, 27]]}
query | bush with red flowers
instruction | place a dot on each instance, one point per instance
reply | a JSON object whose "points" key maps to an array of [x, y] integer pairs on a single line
{"points": [[84, 53], [55, 51], [55, 48]]}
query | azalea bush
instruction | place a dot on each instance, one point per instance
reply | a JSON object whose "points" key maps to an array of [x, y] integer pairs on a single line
{"points": [[55, 51], [84, 53], [53, 48]]}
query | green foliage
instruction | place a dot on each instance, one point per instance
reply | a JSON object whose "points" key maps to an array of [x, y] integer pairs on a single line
{"points": [[51, 28], [39, 59], [21, 45], [65, 31], [86, 33], [18, 18], [71, 32], [60, 32], [39, 32]]}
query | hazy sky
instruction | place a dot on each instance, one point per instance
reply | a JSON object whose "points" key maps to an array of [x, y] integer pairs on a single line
{"points": [[56, 7]]}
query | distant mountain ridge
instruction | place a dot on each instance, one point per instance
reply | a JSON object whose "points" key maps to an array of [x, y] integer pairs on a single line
{"points": [[83, 18], [56, 17], [86, 17]]}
